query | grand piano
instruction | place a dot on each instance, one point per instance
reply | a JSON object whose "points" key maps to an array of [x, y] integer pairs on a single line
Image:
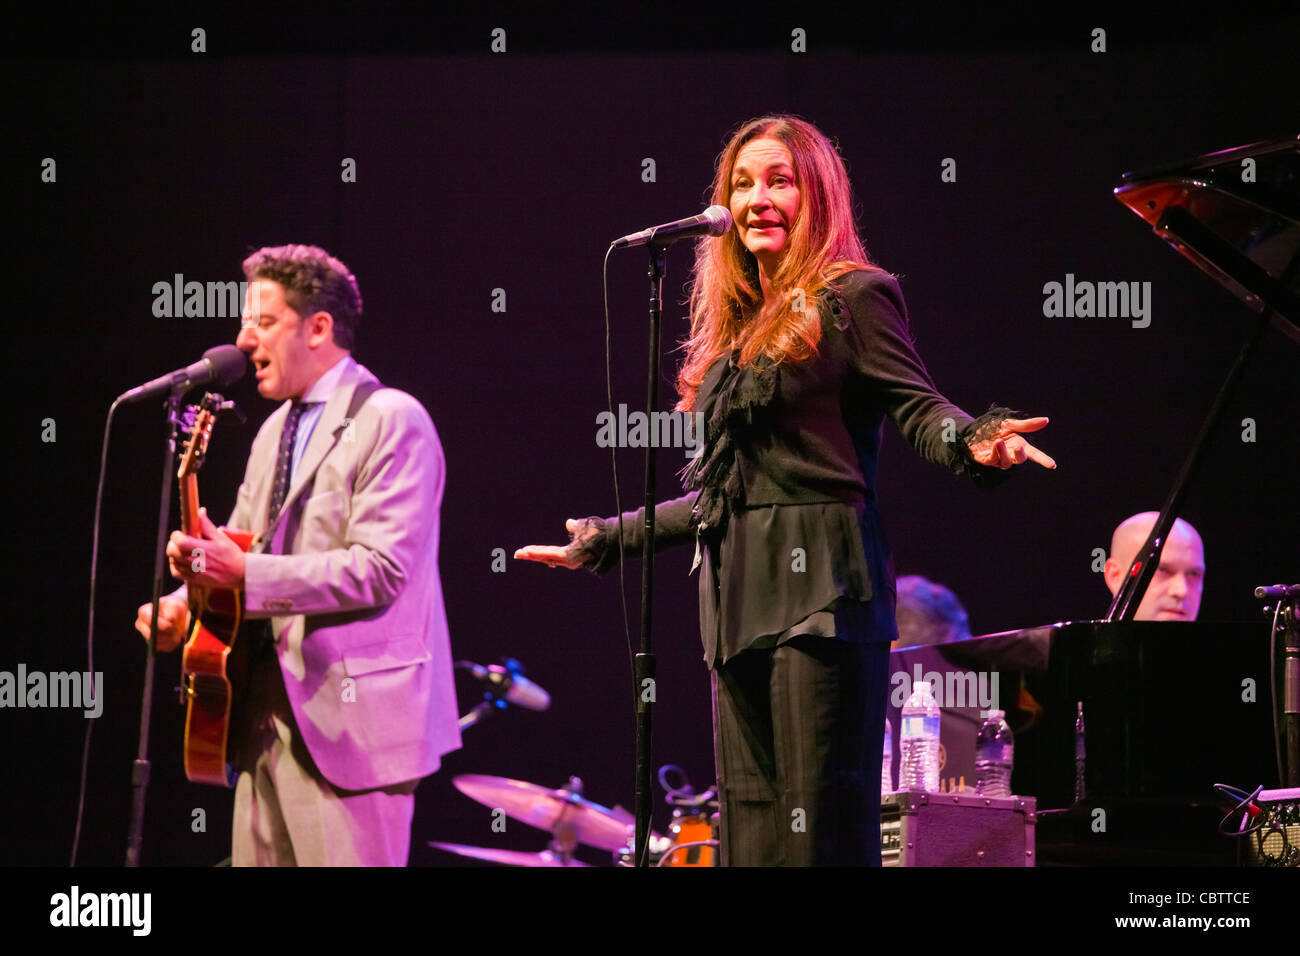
{"points": [[1169, 708]]}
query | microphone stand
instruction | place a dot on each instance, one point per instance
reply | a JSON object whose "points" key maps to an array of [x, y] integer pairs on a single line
{"points": [[644, 664], [1285, 627], [1291, 693], [140, 767]]}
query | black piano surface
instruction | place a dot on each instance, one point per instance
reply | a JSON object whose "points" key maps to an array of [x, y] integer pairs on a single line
{"points": [[1170, 709]]}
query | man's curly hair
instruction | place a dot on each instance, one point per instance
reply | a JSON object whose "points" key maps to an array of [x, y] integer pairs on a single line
{"points": [[314, 281]]}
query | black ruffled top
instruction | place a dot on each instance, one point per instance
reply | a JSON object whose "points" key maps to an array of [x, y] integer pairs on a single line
{"points": [[781, 502]]}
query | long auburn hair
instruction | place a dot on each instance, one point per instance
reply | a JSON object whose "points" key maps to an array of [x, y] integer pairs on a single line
{"points": [[727, 307]]}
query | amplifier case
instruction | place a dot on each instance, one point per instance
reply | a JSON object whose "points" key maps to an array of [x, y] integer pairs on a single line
{"points": [[918, 828], [1277, 841]]}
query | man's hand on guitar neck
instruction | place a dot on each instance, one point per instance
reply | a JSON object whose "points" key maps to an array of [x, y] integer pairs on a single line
{"points": [[214, 561], [173, 622]]}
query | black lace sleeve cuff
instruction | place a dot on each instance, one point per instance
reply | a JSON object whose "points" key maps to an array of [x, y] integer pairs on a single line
{"points": [[590, 545], [981, 429], [596, 541]]}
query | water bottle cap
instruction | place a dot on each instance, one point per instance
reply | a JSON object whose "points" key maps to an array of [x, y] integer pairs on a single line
{"points": [[996, 714]]}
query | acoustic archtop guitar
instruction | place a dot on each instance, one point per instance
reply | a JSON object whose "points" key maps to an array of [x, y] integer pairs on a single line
{"points": [[214, 665]]}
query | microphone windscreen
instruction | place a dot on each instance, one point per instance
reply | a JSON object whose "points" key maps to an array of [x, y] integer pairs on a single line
{"points": [[719, 220], [524, 693], [229, 363]]}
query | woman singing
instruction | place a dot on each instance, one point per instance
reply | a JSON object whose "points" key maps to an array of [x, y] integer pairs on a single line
{"points": [[799, 348]]}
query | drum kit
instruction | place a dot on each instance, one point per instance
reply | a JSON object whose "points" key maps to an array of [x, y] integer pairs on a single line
{"points": [[569, 818], [573, 821]]}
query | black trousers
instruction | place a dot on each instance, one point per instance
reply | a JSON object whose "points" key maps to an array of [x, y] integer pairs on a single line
{"points": [[797, 732]]}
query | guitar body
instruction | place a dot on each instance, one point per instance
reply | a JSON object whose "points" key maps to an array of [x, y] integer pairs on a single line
{"points": [[214, 665], [214, 670]]}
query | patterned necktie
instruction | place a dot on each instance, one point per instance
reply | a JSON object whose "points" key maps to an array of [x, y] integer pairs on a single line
{"points": [[284, 461]]}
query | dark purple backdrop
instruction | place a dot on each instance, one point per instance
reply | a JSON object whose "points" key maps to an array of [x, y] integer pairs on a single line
{"points": [[515, 171]]}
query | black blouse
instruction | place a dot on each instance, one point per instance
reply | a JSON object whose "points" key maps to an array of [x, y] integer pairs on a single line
{"points": [[781, 502]]}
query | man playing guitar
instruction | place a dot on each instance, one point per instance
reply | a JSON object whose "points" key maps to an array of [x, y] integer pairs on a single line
{"points": [[350, 698]]}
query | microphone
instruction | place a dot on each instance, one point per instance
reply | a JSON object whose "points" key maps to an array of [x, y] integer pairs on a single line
{"points": [[509, 683], [223, 363], [1278, 591], [714, 221]]}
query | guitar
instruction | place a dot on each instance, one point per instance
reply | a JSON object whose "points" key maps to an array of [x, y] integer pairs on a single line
{"points": [[214, 665]]}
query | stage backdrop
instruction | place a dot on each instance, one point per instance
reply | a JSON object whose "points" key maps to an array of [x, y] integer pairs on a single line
{"points": [[474, 194]]}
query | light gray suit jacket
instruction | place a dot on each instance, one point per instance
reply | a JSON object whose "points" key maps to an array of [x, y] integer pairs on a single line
{"points": [[348, 575]]}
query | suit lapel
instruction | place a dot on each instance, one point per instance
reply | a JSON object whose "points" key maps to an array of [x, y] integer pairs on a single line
{"points": [[327, 433]]}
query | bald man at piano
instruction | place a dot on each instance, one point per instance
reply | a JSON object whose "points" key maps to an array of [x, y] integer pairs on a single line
{"points": [[1174, 593]]}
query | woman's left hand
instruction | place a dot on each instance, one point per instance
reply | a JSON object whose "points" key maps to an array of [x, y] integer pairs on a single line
{"points": [[1005, 447]]}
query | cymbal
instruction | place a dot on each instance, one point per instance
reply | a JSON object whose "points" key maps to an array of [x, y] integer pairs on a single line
{"points": [[508, 857], [570, 818]]}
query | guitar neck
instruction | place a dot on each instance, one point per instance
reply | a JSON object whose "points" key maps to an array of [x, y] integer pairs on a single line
{"points": [[189, 489]]}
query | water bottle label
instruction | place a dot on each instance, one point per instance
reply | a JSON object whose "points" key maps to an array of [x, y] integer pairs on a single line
{"points": [[920, 726]]}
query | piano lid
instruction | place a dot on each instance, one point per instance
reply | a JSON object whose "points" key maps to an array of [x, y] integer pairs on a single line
{"points": [[1238, 221]]}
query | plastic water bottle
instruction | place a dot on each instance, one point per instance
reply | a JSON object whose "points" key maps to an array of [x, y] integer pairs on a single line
{"points": [[887, 761], [994, 751], [919, 751]]}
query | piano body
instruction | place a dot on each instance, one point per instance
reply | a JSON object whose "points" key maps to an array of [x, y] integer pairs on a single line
{"points": [[1169, 708]]}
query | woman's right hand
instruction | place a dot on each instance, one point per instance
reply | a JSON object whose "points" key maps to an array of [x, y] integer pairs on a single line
{"points": [[571, 555]]}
